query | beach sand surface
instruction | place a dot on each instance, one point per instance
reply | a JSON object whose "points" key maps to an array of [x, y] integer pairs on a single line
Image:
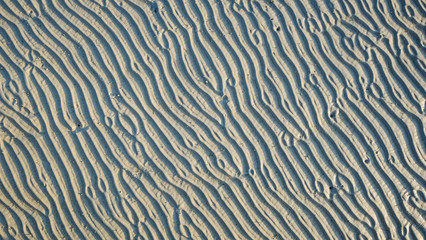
{"points": [[212, 119]]}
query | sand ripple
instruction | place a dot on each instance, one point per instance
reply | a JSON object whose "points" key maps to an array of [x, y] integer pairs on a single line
{"points": [[247, 119]]}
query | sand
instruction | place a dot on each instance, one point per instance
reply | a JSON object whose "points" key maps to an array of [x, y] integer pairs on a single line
{"points": [[220, 119]]}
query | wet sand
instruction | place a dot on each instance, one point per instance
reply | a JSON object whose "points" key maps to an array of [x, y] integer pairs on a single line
{"points": [[247, 119]]}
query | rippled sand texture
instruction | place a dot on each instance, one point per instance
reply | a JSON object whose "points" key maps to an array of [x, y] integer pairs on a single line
{"points": [[248, 119]]}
